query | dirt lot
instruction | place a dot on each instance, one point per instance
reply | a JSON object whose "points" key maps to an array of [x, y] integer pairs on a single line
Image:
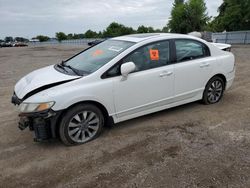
{"points": [[189, 146]]}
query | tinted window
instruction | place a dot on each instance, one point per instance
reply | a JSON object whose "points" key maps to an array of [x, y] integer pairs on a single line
{"points": [[147, 57], [189, 50], [92, 59]]}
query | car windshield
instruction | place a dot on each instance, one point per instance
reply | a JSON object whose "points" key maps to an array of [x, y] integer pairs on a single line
{"points": [[94, 58]]}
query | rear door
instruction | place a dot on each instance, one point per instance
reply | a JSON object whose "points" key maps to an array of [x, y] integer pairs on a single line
{"points": [[192, 69]]}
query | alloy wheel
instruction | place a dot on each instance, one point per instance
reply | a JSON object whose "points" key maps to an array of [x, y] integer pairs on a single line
{"points": [[83, 126], [215, 91]]}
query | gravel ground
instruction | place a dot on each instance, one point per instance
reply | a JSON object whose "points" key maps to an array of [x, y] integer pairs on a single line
{"points": [[189, 146]]}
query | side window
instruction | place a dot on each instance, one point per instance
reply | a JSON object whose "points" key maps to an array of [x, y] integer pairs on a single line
{"points": [[150, 56], [189, 50], [147, 57], [114, 71]]}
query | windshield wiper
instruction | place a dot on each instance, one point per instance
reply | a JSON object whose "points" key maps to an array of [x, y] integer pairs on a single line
{"points": [[63, 65], [74, 70]]}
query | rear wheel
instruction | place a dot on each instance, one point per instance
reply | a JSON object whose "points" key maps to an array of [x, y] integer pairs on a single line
{"points": [[214, 91], [81, 124]]}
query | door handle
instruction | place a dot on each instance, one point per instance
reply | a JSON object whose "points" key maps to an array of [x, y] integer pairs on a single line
{"points": [[204, 65], [168, 73]]}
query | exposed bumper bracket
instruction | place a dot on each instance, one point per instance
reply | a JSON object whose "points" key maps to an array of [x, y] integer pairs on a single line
{"points": [[23, 124], [43, 124]]}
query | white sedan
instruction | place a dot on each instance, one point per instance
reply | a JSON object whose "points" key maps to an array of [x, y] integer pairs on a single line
{"points": [[120, 79]]}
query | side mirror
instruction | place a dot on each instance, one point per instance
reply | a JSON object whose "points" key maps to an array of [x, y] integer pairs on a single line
{"points": [[127, 68]]}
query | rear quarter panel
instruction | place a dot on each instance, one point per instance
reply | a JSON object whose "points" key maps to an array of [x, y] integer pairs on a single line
{"points": [[225, 62]]}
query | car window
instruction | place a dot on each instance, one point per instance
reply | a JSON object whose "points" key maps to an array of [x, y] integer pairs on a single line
{"points": [[147, 57], [189, 50]]}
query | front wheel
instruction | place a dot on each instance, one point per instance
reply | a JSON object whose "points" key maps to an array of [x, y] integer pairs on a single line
{"points": [[81, 124], [214, 90]]}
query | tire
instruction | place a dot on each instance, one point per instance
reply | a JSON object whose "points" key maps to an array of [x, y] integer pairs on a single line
{"points": [[81, 124], [214, 91]]}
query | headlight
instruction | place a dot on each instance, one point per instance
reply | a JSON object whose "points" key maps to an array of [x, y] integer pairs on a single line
{"points": [[35, 107]]}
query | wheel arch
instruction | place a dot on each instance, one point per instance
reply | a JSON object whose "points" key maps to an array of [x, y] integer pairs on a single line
{"points": [[219, 75], [222, 76], [109, 121]]}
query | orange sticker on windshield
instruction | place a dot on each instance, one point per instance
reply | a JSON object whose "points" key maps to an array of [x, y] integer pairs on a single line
{"points": [[97, 53], [154, 55]]}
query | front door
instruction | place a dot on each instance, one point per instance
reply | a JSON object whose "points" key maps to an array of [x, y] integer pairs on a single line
{"points": [[150, 86]]}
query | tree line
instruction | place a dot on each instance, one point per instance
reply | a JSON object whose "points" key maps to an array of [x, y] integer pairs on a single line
{"points": [[113, 30], [186, 16]]}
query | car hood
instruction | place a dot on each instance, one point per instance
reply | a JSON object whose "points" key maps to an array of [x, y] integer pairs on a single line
{"points": [[41, 79]]}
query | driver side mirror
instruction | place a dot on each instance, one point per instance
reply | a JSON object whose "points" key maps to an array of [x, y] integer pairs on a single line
{"points": [[127, 68]]}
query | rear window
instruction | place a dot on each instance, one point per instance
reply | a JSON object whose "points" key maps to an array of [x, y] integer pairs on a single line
{"points": [[190, 49]]}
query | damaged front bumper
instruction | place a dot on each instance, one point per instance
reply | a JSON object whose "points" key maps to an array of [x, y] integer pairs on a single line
{"points": [[42, 123]]}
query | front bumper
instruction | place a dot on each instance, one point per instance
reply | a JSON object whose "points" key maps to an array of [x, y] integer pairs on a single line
{"points": [[43, 124]]}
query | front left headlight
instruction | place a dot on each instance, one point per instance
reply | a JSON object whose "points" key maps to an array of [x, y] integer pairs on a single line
{"points": [[35, 107]]}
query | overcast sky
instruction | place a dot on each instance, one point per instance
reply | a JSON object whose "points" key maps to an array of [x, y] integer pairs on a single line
{"points": [[28, 18]]}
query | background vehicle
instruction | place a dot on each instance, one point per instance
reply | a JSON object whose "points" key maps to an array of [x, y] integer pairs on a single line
{"points": [[20, 44], [6, 44], [95, 42], [120, 79]]}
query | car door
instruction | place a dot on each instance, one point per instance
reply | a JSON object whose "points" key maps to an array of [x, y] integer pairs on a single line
{"points": [[192, 69], [151, 85]]}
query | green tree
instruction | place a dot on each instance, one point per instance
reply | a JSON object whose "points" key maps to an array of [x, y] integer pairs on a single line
{"points": [[21, 39], [177, 23], [91, 34], [100, 34], [127, 31], [78, 36], [233, 15], [197, 16], [151, 30], [165, 29], [116, 29], [9, 39], [61, 36], [70, 36], [157, 30], [179, 1], [42, 38], [188, 16], [142, 29]]}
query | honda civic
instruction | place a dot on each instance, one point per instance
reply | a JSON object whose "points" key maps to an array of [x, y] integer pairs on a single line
{"points": [[120, 79]]}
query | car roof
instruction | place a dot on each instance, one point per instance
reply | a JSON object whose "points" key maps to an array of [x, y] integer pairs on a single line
{"points": [[146, 36]]}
